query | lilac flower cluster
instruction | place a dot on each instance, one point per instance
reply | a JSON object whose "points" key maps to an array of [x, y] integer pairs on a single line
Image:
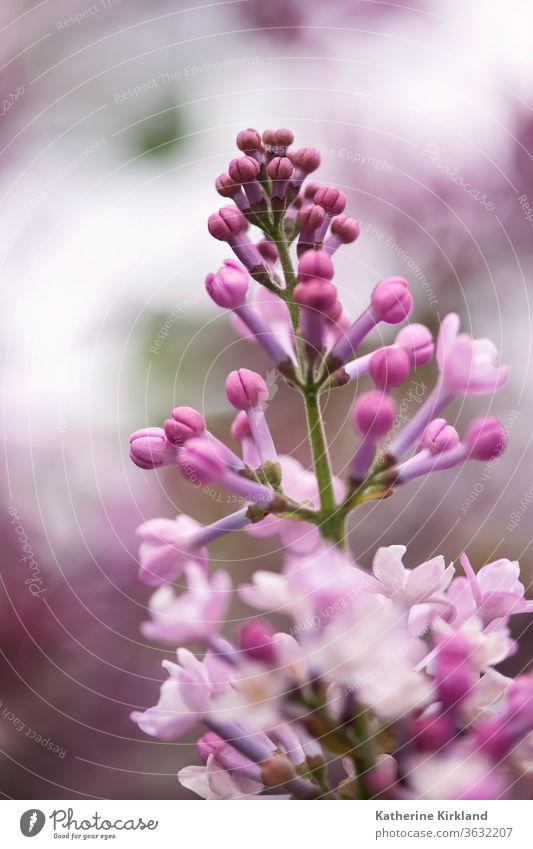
{"points": [[383, 684]]}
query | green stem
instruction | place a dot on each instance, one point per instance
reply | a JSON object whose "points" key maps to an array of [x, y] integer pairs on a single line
{"points": [[288, 273], [332, 522]]}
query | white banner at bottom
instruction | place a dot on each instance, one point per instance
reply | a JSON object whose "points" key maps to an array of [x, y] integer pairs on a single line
{"points": [[264, 824]]}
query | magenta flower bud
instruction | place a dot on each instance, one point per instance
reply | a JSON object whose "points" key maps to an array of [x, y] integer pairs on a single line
{"points": [[373, 413], [249, 140], [185, 423], [306, 159], [229, 286], [391, 300], [227, 223], [454, 673], [255, 639], [243, 170], [225, 186], [317, 298], [315, 264], [280, 168], [439, 436], [278, 138], [311, 217], [417, 341], [246, 389], [311, 189], [346, 228], [389, 367], [336, 314], [268, 251], [317, 295], [331, 199], [432, 733], [486, 438], [150, 448], [312, 220], [199, 462]]}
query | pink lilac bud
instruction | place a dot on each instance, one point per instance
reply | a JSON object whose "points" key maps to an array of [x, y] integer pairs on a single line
{"points": [[455, 674], [346, 228], [277, 142], [389, 367], [316, 265], [185, 423], [255, 639], [227, 188], [228, 225], [373, 413], [417, 341], [391, 300], [431, 733], [311, 189], [150, 449], [229, 286], [245, 171], [316, 298], [268, 251], [246, 389], [312, 218], [439, 436], [306, 159], [331, 199], [249, 140], [280, 170], [486, 438], [344, 231]]}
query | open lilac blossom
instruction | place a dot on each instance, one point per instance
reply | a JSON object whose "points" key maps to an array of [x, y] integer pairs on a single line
{"points": [[193, 615], [393, 671]]}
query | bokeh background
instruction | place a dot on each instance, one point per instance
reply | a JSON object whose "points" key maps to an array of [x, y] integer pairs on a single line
{"points": [[116, 116]]}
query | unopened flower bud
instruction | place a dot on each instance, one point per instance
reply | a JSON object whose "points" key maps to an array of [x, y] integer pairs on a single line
{"points": [[389, 367], [331, 198], [306, 159], [150, 448], [373, 413], [346, 228], [227, 223], [318, 295], [280, 168], [246, 389], [438, 436], [255, 639], [417, 341], [229, 286], [249, 140], [311, 217], [315, 264], [486, 438], [391, 300], [244, 169], [185, 423]]}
